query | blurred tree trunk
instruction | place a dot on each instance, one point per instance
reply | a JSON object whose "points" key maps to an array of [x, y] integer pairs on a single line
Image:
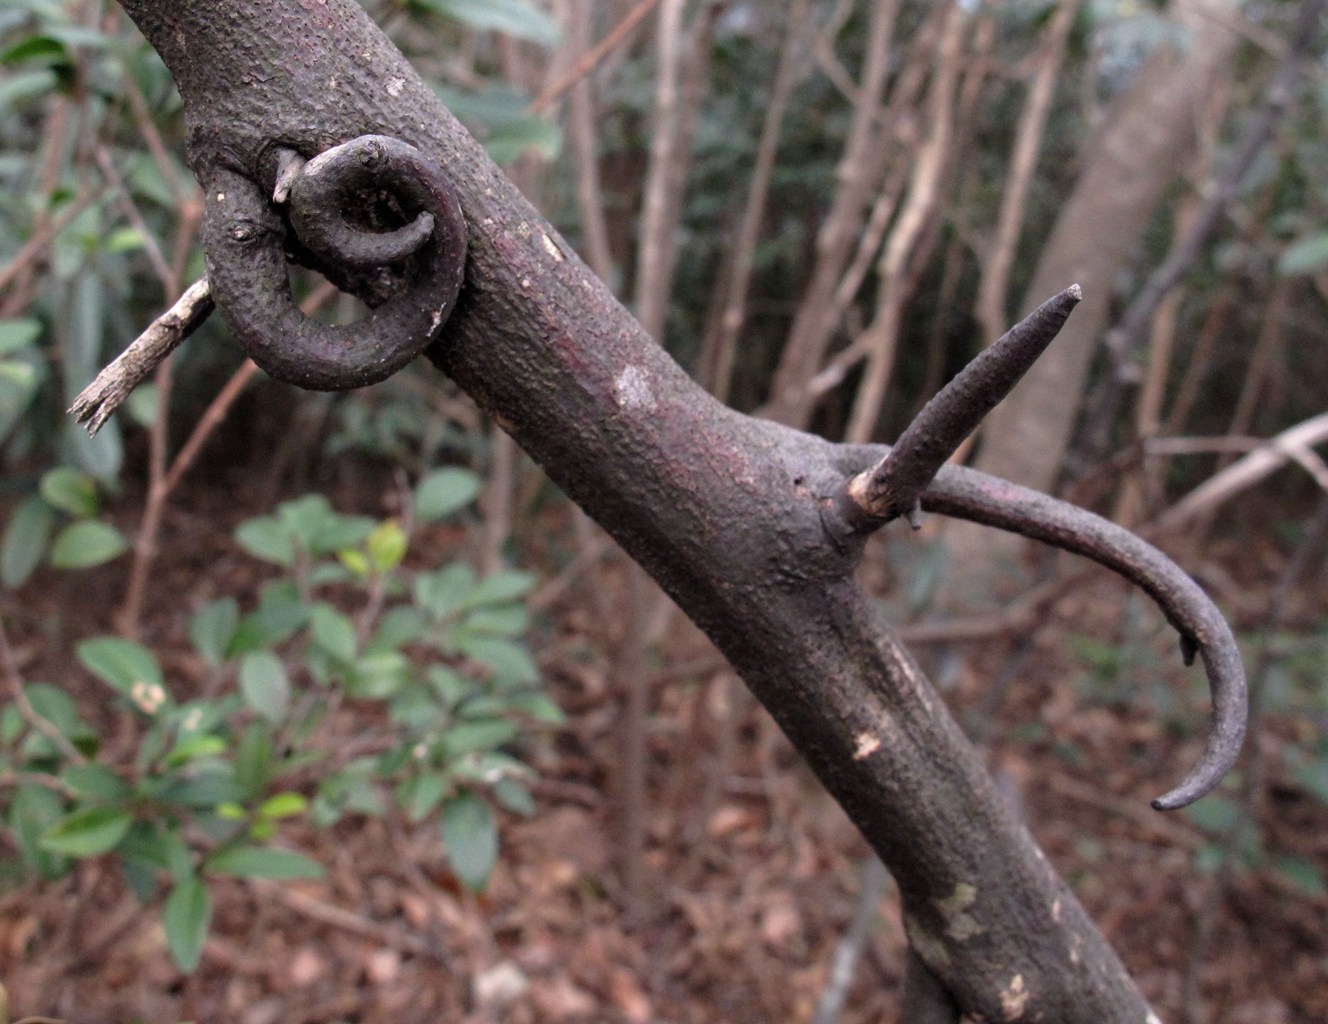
{"points": [[1126, 172]]}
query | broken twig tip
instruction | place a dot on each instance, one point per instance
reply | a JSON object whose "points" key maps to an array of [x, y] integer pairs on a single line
{"points": [[95, 404]]}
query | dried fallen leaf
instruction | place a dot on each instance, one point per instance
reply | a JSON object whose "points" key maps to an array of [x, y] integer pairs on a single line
{"points": [[628, 996], [731, 818], [560, 999]]}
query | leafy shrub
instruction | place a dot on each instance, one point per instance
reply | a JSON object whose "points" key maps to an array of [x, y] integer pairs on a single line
{"points": [[60, 524], [433, 662]]}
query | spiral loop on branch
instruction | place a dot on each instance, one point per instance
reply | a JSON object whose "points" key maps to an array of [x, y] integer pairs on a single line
{"points": [[372, 202]]}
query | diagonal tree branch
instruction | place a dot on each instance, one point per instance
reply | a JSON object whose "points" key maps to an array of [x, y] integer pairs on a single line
{"points": [[735, 517]]}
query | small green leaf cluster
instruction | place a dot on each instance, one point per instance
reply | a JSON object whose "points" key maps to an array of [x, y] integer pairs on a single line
{"points": [[432, 663], [62, 524]]}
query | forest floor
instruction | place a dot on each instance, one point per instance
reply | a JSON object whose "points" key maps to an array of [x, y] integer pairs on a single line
{"points": [[750, 874]]}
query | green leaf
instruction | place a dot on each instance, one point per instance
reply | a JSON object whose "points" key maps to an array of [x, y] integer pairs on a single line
{"points": [[58, 708], [500, 588], [32, 812], [208, 788], [88, 832], [87, 543], [356, 561], [482, 735], [282, 805], [94, 781], [253, 759], [83, 344], [442, 592], [450, 686], [350, 790], [11, 724], [20, 375], [305, 517], [195, 747], [1307, 256], [280, 613], [71, 490], [268, 538], [376, 676], [1214, 813], [420, 795], [141, 876], [333, 632], [538, 706], [43, 48], [187, 917], [212, 629], [470, 835], [263, 862], [508, 620], [264, 685], [18, 334], [121, 664], [398, 627], [511, 664], [125, 239], [146, 843], [514, 796], [510, 140], [443, 492], [516, 18], [342, 532], [386, 546], [1304, 874], [25, 540]]}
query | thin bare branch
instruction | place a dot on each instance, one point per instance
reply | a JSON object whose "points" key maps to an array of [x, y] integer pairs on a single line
{"points": [[14, 683], [583, 132], [592, 57], [125, 200], [723, 348], [1246, 472], [930, 164], [95, 404], [995, 283], [347, 920]]}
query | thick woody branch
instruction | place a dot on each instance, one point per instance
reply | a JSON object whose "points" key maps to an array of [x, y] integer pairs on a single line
{"points": [[338, 204]]}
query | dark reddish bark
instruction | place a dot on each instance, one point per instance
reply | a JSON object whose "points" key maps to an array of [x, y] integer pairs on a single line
{"points": [[741, 520]]}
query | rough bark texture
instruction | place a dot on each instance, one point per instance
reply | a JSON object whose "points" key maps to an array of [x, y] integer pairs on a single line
{"points": [[735, 517]]}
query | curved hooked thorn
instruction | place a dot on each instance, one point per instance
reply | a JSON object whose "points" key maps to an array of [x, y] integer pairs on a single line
{"points": [[967, 494], [338, 203]]}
